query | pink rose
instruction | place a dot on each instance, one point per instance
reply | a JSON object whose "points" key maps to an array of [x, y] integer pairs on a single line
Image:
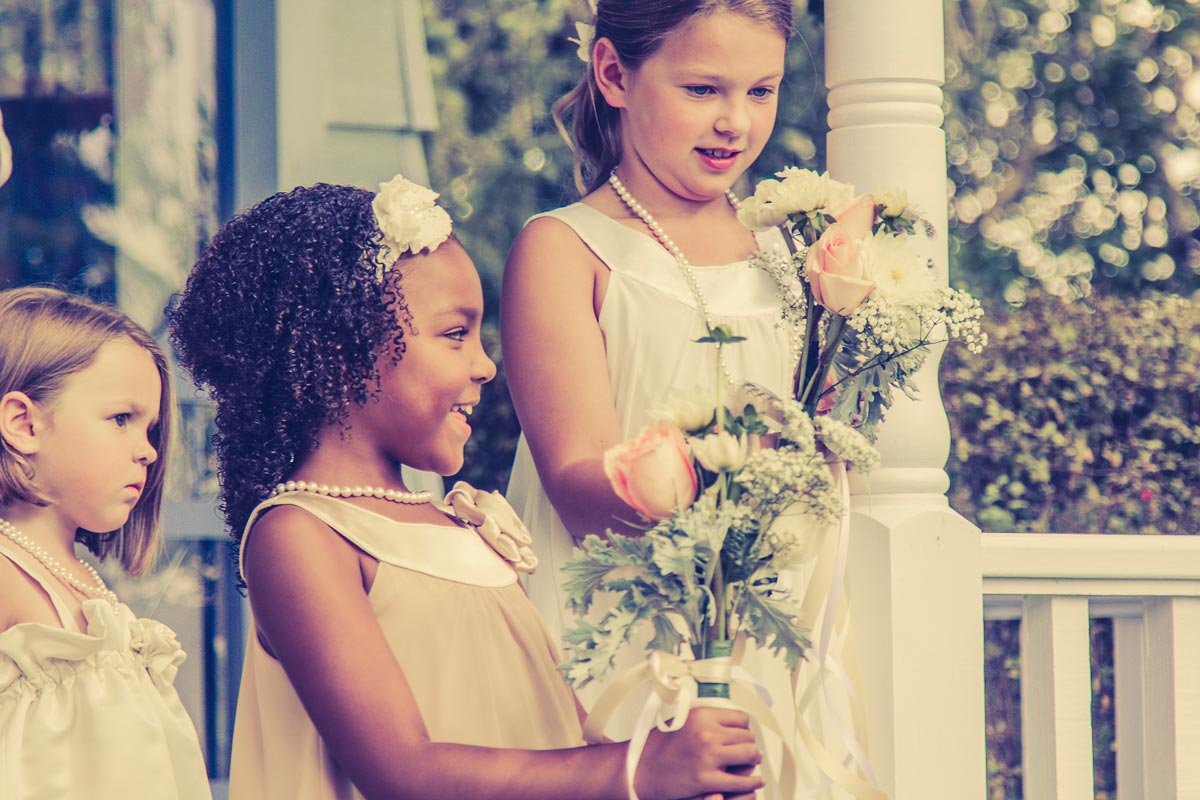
{"points": [[653, 473], [834, 270]]}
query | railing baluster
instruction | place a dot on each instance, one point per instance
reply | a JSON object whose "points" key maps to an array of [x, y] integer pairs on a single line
{"points": [[1056, 699], [1129, 648], [1172, 711]]}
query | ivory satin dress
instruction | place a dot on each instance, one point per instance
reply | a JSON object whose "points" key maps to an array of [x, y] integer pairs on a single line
{"points": [[93, 715], [473, 650]]}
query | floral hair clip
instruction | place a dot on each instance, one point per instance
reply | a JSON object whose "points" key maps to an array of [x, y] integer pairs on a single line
{"points": [[586, 33], [409, 218]]}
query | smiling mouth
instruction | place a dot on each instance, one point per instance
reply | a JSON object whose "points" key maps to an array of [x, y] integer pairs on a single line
{"points": [[462, 408], [717, 153]]}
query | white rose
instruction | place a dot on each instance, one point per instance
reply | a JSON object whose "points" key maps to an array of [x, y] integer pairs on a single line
{"points": [[720, 452], [900, 275]]}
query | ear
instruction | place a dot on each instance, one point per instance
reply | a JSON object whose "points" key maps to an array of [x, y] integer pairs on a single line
{"points": [[609, 72], [20, 422]]}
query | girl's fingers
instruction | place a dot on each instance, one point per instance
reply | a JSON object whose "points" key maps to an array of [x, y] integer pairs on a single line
{"points": [[739, 755], [730, 784]]}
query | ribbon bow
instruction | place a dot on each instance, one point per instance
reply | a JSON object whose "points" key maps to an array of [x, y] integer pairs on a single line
{"points": [[674, 685]]}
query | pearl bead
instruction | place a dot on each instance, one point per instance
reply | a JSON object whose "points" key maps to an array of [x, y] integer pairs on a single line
{"points": [[56, 568], [669, 245], [393, 495]]}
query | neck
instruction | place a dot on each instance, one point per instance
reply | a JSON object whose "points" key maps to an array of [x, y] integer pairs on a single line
{"points": [[43, 525], [342, 462], [665, 204]]}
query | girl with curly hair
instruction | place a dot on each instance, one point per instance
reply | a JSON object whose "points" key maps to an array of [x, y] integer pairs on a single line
{"points": [[88, 707], [394, 653]]}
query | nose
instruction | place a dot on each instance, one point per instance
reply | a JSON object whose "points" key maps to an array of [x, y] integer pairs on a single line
{"points": [[734, 119], [483, 368], [146, 454]]}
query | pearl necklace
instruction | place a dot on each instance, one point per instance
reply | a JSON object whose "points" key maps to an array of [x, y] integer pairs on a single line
{"points": [[56, 567], [392, 495], [669, 245]]}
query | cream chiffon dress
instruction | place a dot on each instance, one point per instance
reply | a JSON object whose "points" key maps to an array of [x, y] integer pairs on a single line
{"points": [[473, 650], [650, 321], [94, 715]]}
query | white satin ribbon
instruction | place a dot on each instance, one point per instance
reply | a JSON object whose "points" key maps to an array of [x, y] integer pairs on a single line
{"points": [[673, 694], [853, 774]]}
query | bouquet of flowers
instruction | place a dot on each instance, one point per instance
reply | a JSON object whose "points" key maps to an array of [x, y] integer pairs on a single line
{"points": [[865, 306], [706, 570]]}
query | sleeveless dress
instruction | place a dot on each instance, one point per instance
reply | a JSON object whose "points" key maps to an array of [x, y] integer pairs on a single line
{"points": [[473, 650], [650, 322], [94, 715]]}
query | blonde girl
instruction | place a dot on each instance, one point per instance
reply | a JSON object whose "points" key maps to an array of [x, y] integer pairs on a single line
{"points": [[603, 299], [393, 652], [87, 706]]}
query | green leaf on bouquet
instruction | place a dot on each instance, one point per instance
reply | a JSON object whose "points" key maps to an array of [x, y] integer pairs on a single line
{"points": [[749, 421], [719, 334], [740, 554], [593, 647], [666, 637], [600, 562], [771, 622]]}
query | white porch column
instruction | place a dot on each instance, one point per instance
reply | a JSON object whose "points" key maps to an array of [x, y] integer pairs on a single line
{"points": [[915, 582]]}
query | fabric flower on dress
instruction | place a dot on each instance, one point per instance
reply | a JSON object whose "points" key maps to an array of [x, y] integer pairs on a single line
{"points": [[158, 648], [497, 523], [409, 218]]}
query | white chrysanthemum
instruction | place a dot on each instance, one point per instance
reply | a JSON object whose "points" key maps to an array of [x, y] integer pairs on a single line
{"points": [[410, 218], [900, 275], [801, 190], [688, 411], [758, 213]]}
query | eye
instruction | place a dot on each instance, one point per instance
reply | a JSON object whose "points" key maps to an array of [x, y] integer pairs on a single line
{"points": [[458, 334], [699, 91], [121, 419], [762, 92]]}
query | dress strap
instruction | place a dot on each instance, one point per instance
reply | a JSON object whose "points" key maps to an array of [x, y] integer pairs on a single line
{"points": [[24, 563], [614, 244]]}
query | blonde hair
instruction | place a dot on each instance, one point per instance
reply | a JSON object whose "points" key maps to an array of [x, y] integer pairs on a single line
{"points": [[47, 335], [637, 29]]}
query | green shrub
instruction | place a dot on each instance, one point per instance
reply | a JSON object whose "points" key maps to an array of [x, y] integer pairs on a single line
{"points": [[1079, 417]]}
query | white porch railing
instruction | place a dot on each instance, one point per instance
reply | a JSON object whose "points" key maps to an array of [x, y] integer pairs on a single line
{"points": [[1150, 587]]}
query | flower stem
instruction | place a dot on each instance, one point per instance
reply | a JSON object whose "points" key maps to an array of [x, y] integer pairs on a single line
{"points": [[816, 384]]}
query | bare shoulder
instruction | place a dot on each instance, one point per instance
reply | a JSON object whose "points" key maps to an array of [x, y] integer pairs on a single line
{"points": [[23, 600], [291, 551], [549, 244]]}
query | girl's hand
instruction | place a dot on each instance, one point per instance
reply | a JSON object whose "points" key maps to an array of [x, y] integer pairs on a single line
{"points": [[697, 759]]}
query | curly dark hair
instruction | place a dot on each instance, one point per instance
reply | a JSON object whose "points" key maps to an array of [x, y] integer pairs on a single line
{"points": [[281, 321]]}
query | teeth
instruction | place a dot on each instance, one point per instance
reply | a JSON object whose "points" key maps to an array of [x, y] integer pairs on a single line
{"points": [[466, 410], [718, 153]]}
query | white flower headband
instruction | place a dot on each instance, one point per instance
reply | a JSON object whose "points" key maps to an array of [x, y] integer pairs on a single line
{"points": [[586, 31], [410, 219]]}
